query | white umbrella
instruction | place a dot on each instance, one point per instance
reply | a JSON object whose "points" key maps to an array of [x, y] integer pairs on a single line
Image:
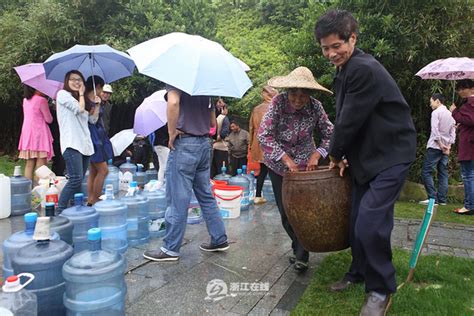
{"points": [[192, 64], [122, 140]]}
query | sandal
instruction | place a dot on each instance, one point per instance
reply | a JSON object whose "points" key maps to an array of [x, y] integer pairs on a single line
{"points": [[463, 211]]}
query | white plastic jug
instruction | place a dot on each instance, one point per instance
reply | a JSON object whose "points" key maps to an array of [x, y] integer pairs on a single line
{"points": [[5, 197]]}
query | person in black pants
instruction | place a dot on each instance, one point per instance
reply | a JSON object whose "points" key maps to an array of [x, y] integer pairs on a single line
{"points": [[374, 131], [286, 139]]}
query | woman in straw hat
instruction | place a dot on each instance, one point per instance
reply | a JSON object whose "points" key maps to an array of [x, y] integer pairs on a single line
{"points": [[286, 138]]}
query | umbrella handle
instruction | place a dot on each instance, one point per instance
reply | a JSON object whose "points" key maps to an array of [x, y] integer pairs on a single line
{"points": [[92, 72]]}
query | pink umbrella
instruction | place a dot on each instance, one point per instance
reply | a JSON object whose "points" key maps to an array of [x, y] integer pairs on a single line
{"points": [[33, 75], [151, 114], [453, 68]]}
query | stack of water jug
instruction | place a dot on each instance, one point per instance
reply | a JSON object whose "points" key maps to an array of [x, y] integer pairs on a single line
{"points": [[15, 194]]}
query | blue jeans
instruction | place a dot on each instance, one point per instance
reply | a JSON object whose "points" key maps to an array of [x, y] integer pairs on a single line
{"points": [[467, 173], [188, 170], [435, 158], [76, 167]]}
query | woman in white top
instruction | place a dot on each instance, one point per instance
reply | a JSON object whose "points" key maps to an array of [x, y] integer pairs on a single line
{"points": [[74, 135]]}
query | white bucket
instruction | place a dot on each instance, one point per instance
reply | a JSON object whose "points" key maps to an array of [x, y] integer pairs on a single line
{"points": [[228, 200]]}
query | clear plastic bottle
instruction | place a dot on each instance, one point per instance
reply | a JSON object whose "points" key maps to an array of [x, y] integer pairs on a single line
{"points": [[112, 222], [243, 182], [151, 173], [223, 176], [95, 281], [52, 194], [20, 193], [44, 259], [17, 300], [83, 218]]}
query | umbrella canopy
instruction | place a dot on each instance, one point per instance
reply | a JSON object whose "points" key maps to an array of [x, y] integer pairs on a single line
{"points": [[122, 140], [33, 75], [192, 64], [151, 114], [100, 60], [453, 68]]}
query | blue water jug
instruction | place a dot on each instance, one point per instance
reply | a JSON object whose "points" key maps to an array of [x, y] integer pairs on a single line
{"points": [[251, 179], [95, 282], [140, 176], [157, 200], [137, 216], [17, 300], [59, 224], [243, 182], [83, 218], [194, 211], [44, 259], [84, 183], [113, 177], [151, 173], [18, 240], [267, 190], [20, 193], [223, 176], [112, 222]]}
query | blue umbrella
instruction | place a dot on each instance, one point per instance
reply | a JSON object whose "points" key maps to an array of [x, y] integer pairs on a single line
{"points": [[99, 60], [192, 64]]}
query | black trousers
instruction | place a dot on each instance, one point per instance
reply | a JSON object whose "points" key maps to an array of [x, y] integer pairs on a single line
{"points": [[298, 250], [371, 228], [236, 163], [261, 179], [218, 157]]}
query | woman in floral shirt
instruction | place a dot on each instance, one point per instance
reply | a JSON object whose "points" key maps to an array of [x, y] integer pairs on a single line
{"points": [[286, 139]]}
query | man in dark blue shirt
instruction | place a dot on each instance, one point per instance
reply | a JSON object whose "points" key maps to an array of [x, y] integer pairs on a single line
{"points": [[375, 135]]}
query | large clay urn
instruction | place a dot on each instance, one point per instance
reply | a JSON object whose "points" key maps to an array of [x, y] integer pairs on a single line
{"points": [[317, 204]]}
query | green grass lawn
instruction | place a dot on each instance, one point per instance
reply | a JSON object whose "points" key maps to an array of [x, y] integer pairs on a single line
{"points": [[7, 165], [442, 285], [443, 214]]}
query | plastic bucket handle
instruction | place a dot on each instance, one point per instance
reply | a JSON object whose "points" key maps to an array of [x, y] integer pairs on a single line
{"points": [[227, 188]]}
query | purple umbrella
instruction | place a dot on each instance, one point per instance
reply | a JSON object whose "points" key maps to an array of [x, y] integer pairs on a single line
{"points": [[453, 68], [33, 75], [151, 114]]}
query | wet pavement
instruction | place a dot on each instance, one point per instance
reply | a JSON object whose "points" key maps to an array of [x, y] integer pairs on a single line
{"points": [[253, 276]]}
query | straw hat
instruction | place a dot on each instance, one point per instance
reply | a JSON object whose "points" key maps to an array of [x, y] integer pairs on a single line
{"points": [[301, 77]]}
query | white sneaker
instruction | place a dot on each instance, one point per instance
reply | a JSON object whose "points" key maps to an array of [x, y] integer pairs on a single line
{"points": [[259, 200]]}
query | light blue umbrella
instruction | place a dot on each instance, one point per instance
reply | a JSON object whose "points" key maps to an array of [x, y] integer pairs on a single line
{"points": [[192, 64], [99, 60]]}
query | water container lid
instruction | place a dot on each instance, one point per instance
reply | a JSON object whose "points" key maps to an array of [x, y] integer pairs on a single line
{"points": [[50, 204], [239, 171], [139, 167], [94, 234], [128, 159], [17, 171], [30, 217], [244, 167], [79, 195], [252, 172], [133, 184], [151, 165], [109, 162], [223, 169]]}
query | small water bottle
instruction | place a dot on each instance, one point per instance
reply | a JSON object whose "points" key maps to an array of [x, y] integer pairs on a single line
{"points": [[15, 300]]}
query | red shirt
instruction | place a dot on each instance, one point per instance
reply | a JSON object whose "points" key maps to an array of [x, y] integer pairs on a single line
{"points": [[464, 116]]}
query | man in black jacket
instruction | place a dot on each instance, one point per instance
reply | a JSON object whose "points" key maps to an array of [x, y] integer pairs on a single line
{"points": [[375, 135]]}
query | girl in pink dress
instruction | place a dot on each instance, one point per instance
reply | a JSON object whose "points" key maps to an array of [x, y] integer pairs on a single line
{"points": [[36, 141]]}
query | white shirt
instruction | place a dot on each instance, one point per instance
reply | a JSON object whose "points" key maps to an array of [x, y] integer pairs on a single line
{"points": [[73, 129], [443, 128]]}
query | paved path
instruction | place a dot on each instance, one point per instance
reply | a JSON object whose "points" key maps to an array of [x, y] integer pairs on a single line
{"points": [[255, 270]]}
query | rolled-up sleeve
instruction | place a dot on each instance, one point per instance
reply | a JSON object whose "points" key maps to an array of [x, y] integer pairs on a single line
{"points": [[266, 133], [66, 100]]}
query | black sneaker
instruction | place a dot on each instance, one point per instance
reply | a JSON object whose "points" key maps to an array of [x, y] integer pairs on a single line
{"points": [[211, 248], [292, 259], [301, 266], [158, 255]]}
